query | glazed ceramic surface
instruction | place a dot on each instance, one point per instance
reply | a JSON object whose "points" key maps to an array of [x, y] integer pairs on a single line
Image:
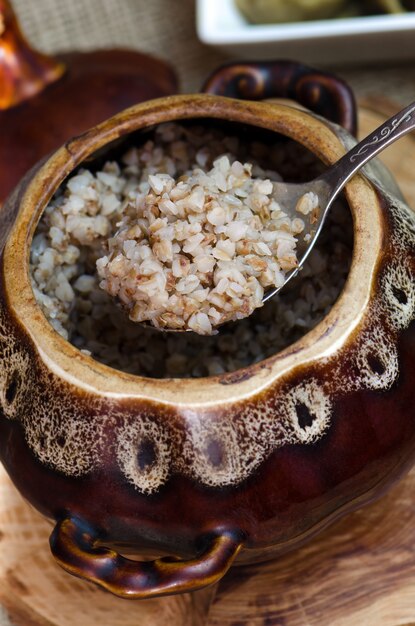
{"points": [[243, 465]]}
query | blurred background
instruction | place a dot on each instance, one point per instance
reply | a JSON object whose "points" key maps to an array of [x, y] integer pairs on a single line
{"points": [[167, 28]]}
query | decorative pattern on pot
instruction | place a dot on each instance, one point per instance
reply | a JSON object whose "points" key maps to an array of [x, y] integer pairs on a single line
{"points": [[144, 451], [216, 451]]}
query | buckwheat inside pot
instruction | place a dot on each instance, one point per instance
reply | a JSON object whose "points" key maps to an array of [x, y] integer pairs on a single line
{"points": [[89, 209], [196, 251]]}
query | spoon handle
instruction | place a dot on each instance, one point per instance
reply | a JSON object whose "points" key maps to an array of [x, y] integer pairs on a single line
{"points": [[395, 127]]}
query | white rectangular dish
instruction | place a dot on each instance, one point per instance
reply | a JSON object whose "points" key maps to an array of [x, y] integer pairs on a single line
{"points": [[352, 40]]}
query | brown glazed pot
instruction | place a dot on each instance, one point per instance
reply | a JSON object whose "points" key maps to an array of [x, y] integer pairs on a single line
{"points": [[240, 466]]}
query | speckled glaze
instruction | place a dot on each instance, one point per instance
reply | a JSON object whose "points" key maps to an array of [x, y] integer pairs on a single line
{"points": [[243, 465]]}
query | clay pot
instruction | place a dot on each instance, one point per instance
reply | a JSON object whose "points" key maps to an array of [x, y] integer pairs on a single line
{"points": [[241, 466], [44, 101]]}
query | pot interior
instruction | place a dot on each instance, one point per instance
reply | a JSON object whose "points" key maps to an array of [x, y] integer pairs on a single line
{"points": [[94, 323]]}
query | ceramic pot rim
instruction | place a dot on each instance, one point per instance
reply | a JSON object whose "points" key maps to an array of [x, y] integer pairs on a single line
{"points": [[321, 342]]}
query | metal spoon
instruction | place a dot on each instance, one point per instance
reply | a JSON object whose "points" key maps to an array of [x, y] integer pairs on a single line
{"points": [[329, 184]]}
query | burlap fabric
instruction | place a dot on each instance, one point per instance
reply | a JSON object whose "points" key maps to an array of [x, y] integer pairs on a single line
{"points": [[166, 28], [162, 27]]}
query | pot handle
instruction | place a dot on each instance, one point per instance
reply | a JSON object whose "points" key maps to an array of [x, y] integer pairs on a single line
{"points": [[321, 92], [74, 544]]}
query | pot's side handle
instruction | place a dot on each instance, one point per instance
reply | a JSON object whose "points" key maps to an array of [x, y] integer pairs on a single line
{"points": [[74, 545], [319, 91]]}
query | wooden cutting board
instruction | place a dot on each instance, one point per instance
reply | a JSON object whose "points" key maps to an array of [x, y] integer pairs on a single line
{"points": [[359, 572]]}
